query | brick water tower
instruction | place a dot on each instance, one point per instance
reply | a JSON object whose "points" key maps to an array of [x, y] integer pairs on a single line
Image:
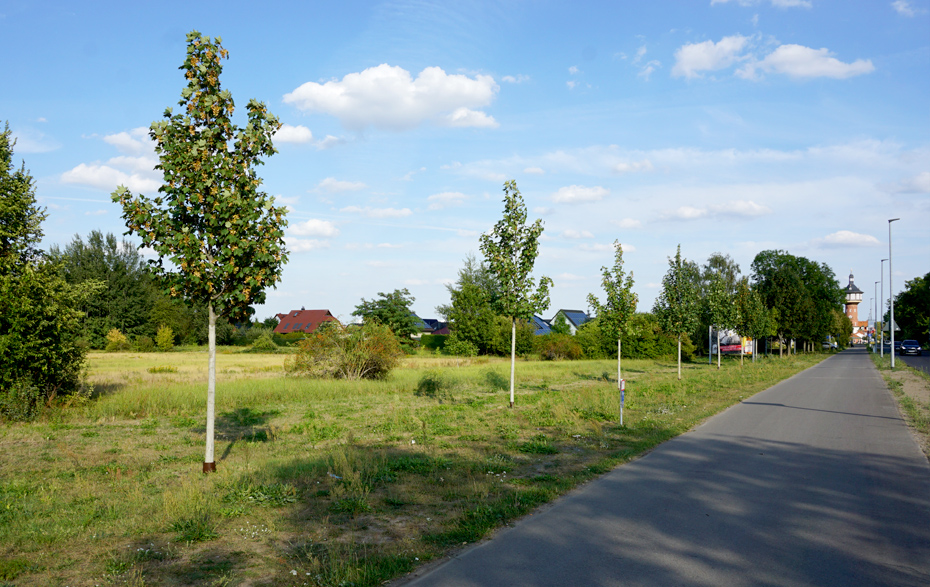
{"points": [[853, 299]]}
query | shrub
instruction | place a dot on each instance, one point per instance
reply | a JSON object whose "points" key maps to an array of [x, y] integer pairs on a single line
{"points": [[20, 402], [557, 347], [145, 344], [369, 351], [164, 339], [433, 383], [433, 342], [264, 344], [117, 341], [460, 348]]}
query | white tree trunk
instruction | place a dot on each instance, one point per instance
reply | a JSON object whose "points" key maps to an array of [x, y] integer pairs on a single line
{"points": [[679, 357], [718, 349], [619, 373], [209, 464], [513, 354]]}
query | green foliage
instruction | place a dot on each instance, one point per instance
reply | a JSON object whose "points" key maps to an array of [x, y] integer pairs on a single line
{"points": [[677, 304], [560, 326], [753, 319], [20, 401], [128, 293], [144, 344], [264, 344], [369, 351], [434, 342], [620, 305], [40, 317], [594, 343], [224, 237], [433, 382], [117, 342], [164, 339], [511, 250], [558, 347], [471, 314], [392, 310], [912, 309], [198, 527], [460, 348]]}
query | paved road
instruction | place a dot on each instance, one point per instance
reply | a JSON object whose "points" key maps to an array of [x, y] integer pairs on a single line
{"points": [[815, 481], [922, 362]]}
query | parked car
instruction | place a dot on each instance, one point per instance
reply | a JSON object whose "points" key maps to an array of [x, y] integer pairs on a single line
{"points": [[897, 346], [910, 347]]}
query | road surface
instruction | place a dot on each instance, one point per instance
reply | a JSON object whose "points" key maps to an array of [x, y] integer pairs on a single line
{"points": [[815, 481]]}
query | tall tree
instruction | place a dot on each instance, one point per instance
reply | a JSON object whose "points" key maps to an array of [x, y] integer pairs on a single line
{"points": [[126, 301], [677, 305], [391, 310], [912, 308], [222, 237], [752, 317], [511, 250], [470, 312], [615, 313], [40, 351]]}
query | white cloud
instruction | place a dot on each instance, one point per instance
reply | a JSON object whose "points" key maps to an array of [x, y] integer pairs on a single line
{"points": [[388, 97], [446, 199], [904, 8], [573, 70], [134, 142], [328, 142], [633, 166], [297, 245], [333, 185], [920, 184], [108, 178], [534, 171], [95, 213], [571, 84], [692, 59], [542, 210], [389, 246], [640, 53], [628, 223], [378, 212], [845, 238], [597, 248], [736, 208], [463, 117], [577, 194], [803, 62], [409, 175], [293, 134], [648, 69], [315, 227], [569, 277], [576, 234], [30, 140], [517, 79]]}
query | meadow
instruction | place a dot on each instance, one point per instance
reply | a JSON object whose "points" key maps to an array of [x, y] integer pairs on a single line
{"points": [[321, 482]]}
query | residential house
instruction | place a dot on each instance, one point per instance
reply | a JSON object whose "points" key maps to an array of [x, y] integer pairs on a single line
{"points": [[574, 318], [305, 321]]}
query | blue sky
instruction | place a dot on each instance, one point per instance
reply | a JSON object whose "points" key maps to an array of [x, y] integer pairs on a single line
{"points": [[731, 126]]}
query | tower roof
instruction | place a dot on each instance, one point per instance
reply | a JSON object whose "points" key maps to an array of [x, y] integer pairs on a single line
{"points": [[851, 288]]}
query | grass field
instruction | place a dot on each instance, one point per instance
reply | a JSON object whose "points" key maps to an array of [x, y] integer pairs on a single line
{"points": [[321, 482]]}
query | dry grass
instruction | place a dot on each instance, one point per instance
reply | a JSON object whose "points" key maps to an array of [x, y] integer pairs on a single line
{"points": [[320, 482]]}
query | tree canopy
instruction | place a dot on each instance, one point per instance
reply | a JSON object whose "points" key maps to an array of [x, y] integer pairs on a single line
{"points": [[677, 305], [391, 310]]}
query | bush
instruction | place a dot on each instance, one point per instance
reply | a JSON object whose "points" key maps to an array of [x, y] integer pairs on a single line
{"points": [[117, 342], [145, 344], [264, 344], [433, 383], [164, 339], [20, 402], [558, 347], [460, 348], [433, 342], [369, 351]]}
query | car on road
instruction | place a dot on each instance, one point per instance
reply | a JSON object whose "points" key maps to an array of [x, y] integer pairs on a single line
{"points": [[910, 347], [897, 346]]}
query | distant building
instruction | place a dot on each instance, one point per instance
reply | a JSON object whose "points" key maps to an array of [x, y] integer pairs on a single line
{"points": [[853, 299], [305, 321], [575, 319]]}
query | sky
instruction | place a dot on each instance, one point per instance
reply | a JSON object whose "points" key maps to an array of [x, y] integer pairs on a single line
{"points": [[731, 126]]}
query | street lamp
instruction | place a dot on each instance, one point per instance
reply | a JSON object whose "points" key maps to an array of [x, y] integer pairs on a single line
{"points": [[891, 291], [882, 343], [875, 324]]}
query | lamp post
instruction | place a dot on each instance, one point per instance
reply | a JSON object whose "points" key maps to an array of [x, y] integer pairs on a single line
{"points": [[891, 291], [875, 324], [881, 344]]}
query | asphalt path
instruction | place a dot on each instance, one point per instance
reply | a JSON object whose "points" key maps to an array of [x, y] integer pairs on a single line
{"points": [[922, 362], [815, 481]]}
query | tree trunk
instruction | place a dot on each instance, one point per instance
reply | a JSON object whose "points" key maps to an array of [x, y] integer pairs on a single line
{"points": [[718, 349], [740, 352], [209, 465], [679, 357], [513, 354], [781, 346], [619, 373]]}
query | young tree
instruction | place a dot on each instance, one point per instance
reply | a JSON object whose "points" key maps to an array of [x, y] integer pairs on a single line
{"points": [[721, 311], [223, 239], [471, 313], [41, 355], [677, 304], [752, 317], [392, 310], [614, 314], [511, 249]]}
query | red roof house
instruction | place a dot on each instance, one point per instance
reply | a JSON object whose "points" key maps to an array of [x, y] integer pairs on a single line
{"points": [[305, 321]]}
